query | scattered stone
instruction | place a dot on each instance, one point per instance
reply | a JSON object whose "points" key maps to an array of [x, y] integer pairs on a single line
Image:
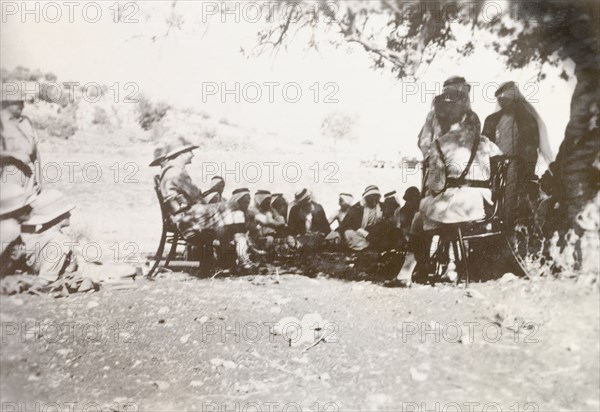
{"points": [[184, 338], [162, 385], [93, 304], [33, 378], [229, 364], [417, 376], [164, 310], [195, 384], [472, 293], [64, 352]]}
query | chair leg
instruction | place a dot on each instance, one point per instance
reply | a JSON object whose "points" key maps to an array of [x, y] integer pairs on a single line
{"points": [[159, 252], [173, 249], [464, 257]]}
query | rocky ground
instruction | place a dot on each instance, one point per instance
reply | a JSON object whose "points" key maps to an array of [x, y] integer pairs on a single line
{"points": [[184, 343]]}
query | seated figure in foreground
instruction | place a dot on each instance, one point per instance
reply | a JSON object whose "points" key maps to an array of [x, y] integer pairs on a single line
{"points": [[457, 185]]}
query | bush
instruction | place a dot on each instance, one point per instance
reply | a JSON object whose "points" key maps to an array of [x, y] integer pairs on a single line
{"points": [[100, 117], [51, 77], [150, 113], [62, 124]]}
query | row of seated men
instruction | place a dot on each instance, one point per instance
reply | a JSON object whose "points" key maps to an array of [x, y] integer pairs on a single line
{"points": [[265, 222]]}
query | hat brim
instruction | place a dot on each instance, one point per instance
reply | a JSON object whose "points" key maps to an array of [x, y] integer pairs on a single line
{"points": [[36, 220], [180, 150], [156, 162], [15, 208]]}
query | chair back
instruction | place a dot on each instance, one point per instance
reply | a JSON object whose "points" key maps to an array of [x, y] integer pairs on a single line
{"points": [[166, 217], [498, 172]]}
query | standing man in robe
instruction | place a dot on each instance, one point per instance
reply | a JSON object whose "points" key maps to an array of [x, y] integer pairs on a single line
{"points": [[520, 133]]}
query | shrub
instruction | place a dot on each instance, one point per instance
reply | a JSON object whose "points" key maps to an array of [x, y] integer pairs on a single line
{"points": [[100, 117], [150, 113], [36, 75], [51, 77]]}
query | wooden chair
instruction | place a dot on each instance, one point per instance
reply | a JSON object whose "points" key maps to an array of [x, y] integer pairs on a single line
{"points": [[456, 237], [170, 234]]}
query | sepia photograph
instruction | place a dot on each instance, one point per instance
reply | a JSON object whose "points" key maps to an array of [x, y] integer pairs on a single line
{"points": [[300, 205]]}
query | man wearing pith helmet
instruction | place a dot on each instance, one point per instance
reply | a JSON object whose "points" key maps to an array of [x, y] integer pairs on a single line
{"points": [[18, 140], [199, 222]]}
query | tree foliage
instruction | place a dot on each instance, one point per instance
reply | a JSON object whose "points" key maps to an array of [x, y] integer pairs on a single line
{"points": [[405, 35]]}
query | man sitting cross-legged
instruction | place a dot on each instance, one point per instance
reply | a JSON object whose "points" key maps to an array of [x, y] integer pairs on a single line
{"points": [[364, 226]]}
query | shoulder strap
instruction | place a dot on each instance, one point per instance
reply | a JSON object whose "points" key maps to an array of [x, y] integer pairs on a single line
{"points": [[471, 159], [163, 172], [464, 173]]}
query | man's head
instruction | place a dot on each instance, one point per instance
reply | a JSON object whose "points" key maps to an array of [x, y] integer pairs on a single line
{"points": [[279, 204], [450, 108], [241, 198], [507, 95], [304, 199], [346, 200], [371, 196], [13, 108], [412, 196], [217, 184], [179, 151], [262, 200], [12, 100]]}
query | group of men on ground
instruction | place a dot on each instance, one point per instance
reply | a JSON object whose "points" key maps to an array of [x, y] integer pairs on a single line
{"points": [[265, 223]]}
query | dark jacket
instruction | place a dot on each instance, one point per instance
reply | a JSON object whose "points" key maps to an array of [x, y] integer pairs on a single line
{"points": [[354, 218], [527, 143], [297, 220]]}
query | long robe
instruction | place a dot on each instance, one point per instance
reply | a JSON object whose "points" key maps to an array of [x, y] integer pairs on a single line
{"points": [[517, 135]]}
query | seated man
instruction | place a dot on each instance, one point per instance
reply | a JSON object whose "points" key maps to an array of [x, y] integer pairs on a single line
{"points": [[269, 221], [404, 216], [51, 254], [364, 225], [345, 201], [457, 183], [390, 205], [235, 238], [307, 216], [279, 206], [199, 223], [215, 193]]}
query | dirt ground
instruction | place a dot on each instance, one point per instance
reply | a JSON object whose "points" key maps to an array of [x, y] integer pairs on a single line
{"points": [[183, 343], [186, 343]]}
